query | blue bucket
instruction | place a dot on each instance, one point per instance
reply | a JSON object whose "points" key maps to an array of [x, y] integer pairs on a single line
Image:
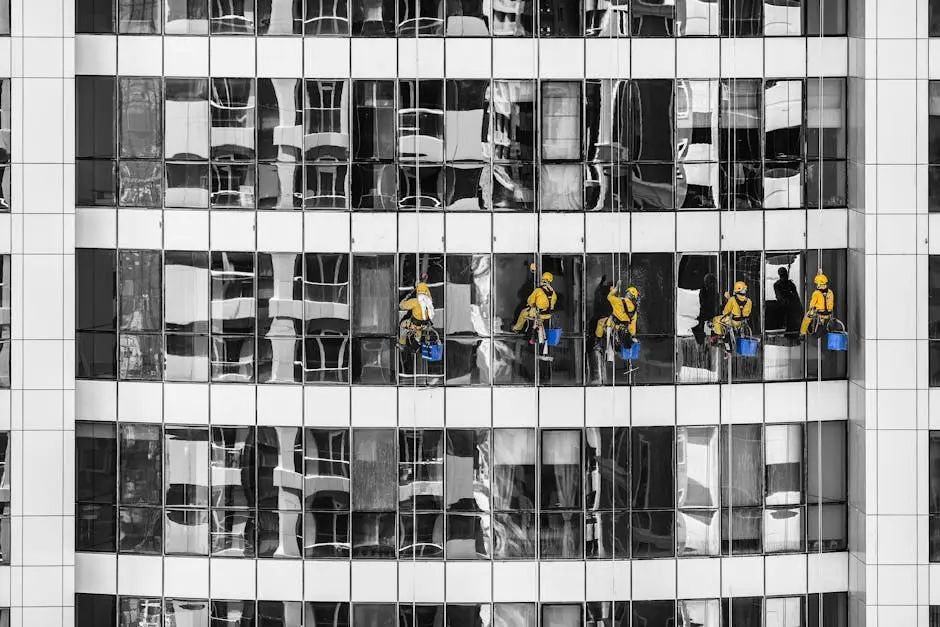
{"points": [[746, 346], [629, 354], [837, 341], [432, 352], [552, 336]]}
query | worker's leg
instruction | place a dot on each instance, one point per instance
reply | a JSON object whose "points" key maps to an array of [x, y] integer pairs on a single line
{"points": [[525, 315], [718, 329], [404, 329], [808, 322], [601, 327]]}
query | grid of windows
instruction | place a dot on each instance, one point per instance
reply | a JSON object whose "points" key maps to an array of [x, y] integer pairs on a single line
{"points": [[436, 18], [333, 318], [461, 494], [461, 145], [812, 610]]}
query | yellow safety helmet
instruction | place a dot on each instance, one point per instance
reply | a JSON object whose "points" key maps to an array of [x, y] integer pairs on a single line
{"points": [[422, 288], [740, 287], [633, 292], [821, 280], [548, 276]]}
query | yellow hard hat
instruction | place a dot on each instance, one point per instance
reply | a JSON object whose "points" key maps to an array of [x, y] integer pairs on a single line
{"points": [[548, 277], [740, 287], [632, 291], [821, 280], [423, 288]]}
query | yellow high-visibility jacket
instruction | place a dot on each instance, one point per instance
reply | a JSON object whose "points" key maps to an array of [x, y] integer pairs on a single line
{"points": [[413, 306], [542, 300], [624, 310], [822, 304], [738, 310]]}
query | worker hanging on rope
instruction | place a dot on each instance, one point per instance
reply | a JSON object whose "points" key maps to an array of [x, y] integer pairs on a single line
{"points": [[817, 320], [733, 318], [419, 316], [537, 313], [620, 326]]}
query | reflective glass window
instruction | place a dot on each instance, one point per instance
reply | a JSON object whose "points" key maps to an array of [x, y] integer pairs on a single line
{"points": [[374, 493], [560, 501], [653, 491], [697, 496], [95, 609], [467, 494], [140, 612], [514, 493], [95, 486], [140, 310], [374, 320], [187, 612], [187, 17], [186, 454], [96, 313], [95, 139], [742, 485], [140, 488]]}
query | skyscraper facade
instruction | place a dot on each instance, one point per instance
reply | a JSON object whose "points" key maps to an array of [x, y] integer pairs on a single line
{"points": [[477, 313]]}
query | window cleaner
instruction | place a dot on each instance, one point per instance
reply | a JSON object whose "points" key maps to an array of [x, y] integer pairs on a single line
{"points": [[733, 320], [821, 304], [416, 325], [819, 320], [535, 318], [619, 327]]}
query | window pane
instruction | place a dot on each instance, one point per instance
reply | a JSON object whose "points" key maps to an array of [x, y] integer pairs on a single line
{"points": [[233, 118], [91, 16], [374, 470], [187, 17], [187, 612], [468, 470], [137, 612], [783, 457], [96, 609], [187, 292], [141, 465], [141, 118], [826, 462], [652, 461], [187, 115], [95, 462], [139, 17], [326, 469], [697, 468], [186, 454], [514, 457], [232, 18], [141, 290], [741, 466], [232, 467], [96, 281], [280, 468]]}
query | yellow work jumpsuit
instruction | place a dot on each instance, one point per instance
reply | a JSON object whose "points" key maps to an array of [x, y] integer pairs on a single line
{"points": [[540, 304], [821, 304], [736, 311], [415, 321], [623, 315]]}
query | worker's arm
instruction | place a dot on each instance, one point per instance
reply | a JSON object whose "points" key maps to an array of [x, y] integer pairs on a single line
{"points": [[532, 298], [746, 311], [408, 304], [729, 307], [816, 302]]}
